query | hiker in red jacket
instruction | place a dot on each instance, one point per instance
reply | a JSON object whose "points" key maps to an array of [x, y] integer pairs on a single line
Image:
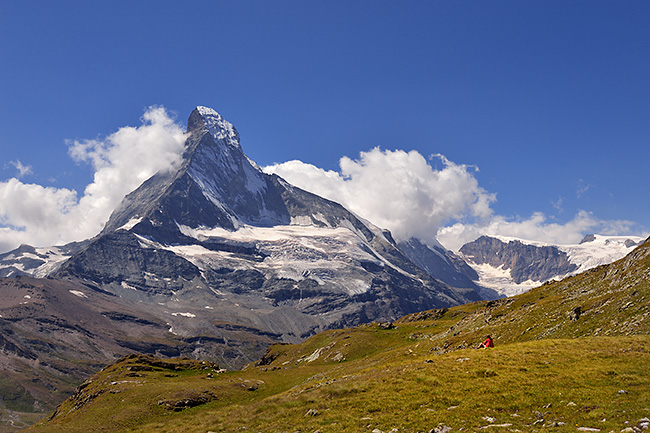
{"points": [[487, 343]]}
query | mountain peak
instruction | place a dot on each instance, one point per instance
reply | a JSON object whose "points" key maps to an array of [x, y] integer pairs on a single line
{"points": [[219, 128]]}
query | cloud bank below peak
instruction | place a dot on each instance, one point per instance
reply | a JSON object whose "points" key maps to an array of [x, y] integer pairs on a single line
{"points": [[402, 192], [432, 199], [396, 190]]}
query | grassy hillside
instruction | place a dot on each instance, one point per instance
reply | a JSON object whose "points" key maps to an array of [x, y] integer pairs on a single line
{"points": [[372, 378], [570, 356]]}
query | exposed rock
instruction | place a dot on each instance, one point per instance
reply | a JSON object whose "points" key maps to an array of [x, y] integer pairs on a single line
{"points": [[191, 399], [526, 262], [575, 313]]}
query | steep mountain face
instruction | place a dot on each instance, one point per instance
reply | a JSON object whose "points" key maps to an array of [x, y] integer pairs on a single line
{"points": [[216, 186], [218, 243], [526, 262], [446, 266], [512, 266]]}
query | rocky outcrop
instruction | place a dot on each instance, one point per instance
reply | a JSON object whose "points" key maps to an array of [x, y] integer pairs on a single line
{"points": [[525, 262]]}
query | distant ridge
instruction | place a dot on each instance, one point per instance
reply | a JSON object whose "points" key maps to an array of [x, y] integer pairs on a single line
{"points": [[511, 266]]}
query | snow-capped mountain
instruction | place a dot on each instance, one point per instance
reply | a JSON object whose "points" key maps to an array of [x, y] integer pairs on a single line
{"points": [[37, 262], [511, 266], [216, 244]]}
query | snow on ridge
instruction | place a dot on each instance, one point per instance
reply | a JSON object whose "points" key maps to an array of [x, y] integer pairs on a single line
{"points": [[598, 240], [219, 127], [131, 223], [600, 250]]}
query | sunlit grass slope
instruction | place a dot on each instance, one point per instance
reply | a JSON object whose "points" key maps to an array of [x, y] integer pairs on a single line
{"points": [[381, 379], [569, 355]]}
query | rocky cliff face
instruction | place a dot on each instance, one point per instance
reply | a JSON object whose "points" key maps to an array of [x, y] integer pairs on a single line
{"points": [[526, 262], [445, 266]]}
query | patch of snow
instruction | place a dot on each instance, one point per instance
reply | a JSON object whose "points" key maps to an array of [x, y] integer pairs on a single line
{"points": [[55, 257], [127, 286], [21, 267], [301, 220], [131, 223], [219, 127], [356, 287], [27, 297], [78, 293], [499, 280], [321, 218], [190, 315]]}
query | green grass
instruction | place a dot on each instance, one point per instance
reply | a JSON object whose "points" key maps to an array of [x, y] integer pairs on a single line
{"points": [[388, 381]]}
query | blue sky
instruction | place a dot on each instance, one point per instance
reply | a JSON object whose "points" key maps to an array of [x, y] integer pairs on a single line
{"points": [[549, 100]]}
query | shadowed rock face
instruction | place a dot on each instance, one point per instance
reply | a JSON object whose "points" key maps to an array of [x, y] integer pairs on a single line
{"points": [[440, 263], [526, 262]]}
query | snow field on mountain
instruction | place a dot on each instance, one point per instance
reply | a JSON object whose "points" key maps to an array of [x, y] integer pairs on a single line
{"points": [[596, 251], [294, 252], [499, 279]]}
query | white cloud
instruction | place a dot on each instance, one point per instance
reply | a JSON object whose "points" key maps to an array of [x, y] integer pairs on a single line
{"points": [[402, 192], [23, 170], [558, 204], [42, 216], [396, 190], [535, 228], [582, 188]]}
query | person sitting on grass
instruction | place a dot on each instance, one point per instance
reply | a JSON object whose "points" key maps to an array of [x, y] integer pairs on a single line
{"points": [[487, 343]]}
